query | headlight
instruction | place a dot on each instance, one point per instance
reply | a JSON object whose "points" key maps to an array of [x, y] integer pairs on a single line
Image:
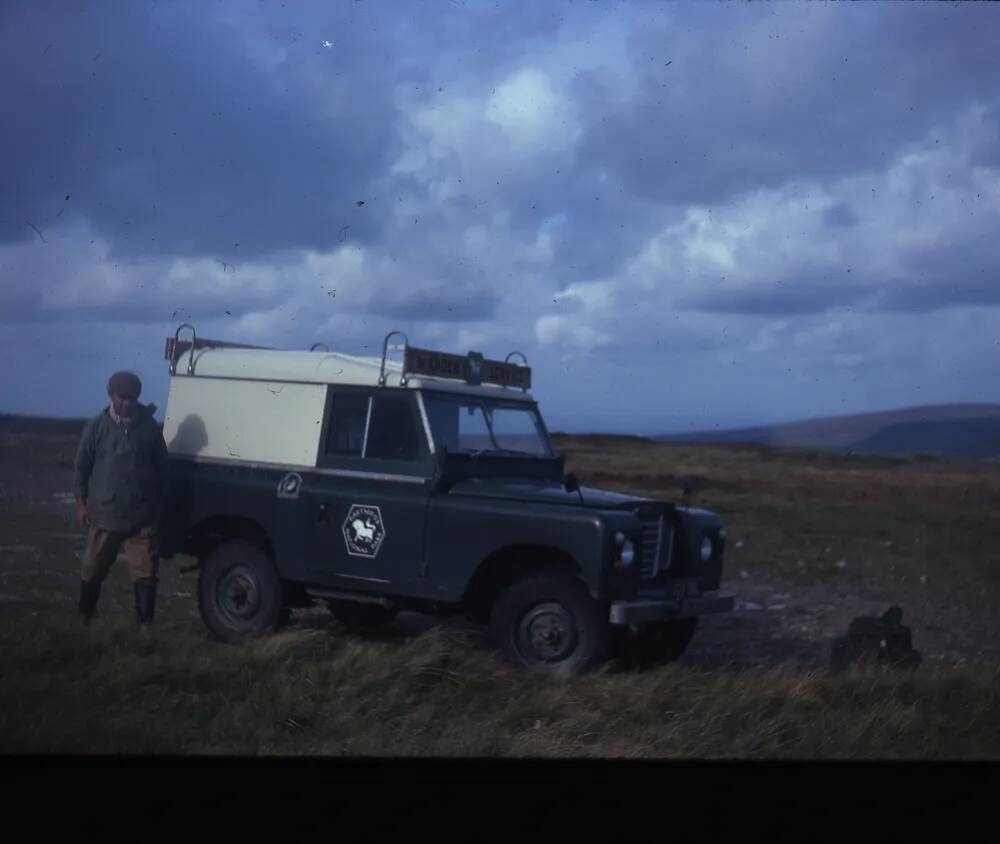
{"points": [[627, 553], [706, 549]]}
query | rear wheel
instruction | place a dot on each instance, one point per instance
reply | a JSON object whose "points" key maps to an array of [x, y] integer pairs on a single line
{"points": [[548, 620], [239, 593]]}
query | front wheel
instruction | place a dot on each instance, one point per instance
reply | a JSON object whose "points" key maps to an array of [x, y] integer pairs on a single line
{"points": [[239, 593], [548, 620]]}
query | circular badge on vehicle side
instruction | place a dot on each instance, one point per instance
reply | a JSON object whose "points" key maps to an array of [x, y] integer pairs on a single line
{"points": [[289, 486], [363, 530]]}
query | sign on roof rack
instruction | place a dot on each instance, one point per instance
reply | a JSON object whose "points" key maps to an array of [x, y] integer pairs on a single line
{"points": [[472, 368]]}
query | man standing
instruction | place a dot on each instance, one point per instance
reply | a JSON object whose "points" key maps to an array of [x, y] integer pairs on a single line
{"points": [[120, 488]]}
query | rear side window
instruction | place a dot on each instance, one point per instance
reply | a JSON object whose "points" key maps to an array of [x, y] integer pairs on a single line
{"points": [[392, 433], [346, 434]]}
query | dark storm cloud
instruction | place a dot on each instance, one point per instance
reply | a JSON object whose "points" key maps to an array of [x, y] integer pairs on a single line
{"points": [[931, 295], [840, 215], [755, 96], [963, 271], [439, 302], [162, 132], [605, 227], [798, 295], [170, 137], [144, 306]]}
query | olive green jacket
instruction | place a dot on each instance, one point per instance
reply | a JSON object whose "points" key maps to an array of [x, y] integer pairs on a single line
{"points": [[121, 471]]}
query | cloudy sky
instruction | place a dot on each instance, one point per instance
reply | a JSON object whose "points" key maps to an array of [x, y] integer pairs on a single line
{"points": [[686, 216]]}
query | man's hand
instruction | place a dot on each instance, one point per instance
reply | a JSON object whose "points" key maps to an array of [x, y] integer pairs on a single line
{"points": [[81, 512]]}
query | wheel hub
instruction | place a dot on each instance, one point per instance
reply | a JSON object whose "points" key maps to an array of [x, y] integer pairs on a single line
{"points": [[238, 595], [547, 633]]}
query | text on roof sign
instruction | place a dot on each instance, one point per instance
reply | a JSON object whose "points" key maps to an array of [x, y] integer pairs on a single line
{"points": [[472, 368]]}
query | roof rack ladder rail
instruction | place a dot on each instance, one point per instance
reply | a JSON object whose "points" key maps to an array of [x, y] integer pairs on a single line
{"points": [[507, 360], [177, 354], [385, 349]]}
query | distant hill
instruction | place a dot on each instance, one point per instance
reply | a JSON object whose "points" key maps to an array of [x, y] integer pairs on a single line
{"points": [[957, 430], [15, 424], [950, 430]]}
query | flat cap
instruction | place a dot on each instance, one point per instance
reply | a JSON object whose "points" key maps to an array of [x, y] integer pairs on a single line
{"points": [[125, 384]]}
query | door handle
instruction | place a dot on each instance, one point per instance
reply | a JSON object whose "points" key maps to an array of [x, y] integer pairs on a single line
{"points": [[323, 516]]}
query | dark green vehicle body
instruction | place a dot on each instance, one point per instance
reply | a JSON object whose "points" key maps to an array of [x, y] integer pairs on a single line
{"points": [[452, 529]]}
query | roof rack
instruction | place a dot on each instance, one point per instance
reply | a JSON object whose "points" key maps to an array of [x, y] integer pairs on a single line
{"points": [[176, 347], [472, 368]]}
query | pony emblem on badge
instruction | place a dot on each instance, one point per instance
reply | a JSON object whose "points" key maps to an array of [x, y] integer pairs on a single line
{"points": [[363, 530], [289, 486]]}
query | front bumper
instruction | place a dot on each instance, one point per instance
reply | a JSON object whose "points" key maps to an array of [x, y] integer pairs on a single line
{"points": [[646, 611]]}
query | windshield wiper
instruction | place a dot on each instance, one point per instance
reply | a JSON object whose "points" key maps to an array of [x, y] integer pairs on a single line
{"points": [[478, 452]]}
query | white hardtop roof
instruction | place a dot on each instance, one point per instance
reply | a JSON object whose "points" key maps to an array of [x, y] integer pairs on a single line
{"points": [[322, 367]]}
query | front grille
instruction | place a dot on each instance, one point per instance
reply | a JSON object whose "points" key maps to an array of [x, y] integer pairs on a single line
{"points": [[656, 539]]}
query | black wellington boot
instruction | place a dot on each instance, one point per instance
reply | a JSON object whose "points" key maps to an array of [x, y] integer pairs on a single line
{"points": [[145, 601], [89, 593]]}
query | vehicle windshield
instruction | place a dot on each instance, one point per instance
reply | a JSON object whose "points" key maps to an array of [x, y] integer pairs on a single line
{"points": [[484, 425]]}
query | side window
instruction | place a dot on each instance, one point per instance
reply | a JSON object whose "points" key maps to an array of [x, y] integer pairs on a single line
{"points": [[443, 417], [392, 434], [346, 434]]}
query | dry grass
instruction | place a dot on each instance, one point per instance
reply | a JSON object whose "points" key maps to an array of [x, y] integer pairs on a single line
{"points": [[923, 517], [309, 692]]}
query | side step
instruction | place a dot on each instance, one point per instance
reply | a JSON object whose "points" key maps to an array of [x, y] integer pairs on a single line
{"points": [[351, 596]]}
